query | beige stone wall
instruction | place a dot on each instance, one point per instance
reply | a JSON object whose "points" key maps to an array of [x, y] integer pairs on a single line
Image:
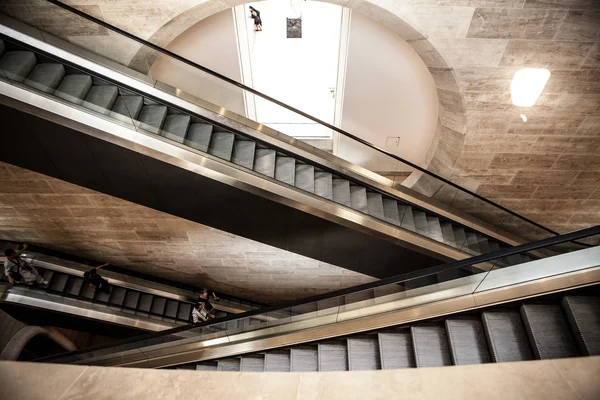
{"points": [[565, 379], [38, 209]]}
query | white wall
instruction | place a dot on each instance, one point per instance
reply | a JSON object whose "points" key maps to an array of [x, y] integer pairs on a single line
{"points": [[389, 92], [212, 43]]}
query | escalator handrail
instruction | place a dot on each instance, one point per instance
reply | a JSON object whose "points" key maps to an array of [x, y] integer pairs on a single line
{"points": [[290, 108], [568, 237]]}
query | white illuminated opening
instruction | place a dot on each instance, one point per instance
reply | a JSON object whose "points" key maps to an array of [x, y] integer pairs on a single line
{"points": [[527, 85]]}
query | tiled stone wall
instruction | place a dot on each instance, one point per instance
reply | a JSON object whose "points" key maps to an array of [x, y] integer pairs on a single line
{"points": [[39, 209]]}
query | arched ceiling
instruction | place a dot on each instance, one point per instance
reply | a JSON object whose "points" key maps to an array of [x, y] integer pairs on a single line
{"points": [[547, 168]]}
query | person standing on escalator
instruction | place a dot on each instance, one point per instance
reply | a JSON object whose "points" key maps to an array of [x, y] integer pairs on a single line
{"points": [[96, 282], [18, 270], [204, 309], [255, 15]]}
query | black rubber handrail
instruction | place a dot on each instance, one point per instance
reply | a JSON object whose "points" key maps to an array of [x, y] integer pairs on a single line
{"points": [[290, 108], [568, 237]]}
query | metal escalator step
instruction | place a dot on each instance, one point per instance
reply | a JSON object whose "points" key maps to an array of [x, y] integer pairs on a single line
{"points": [[145, 303], [221, 145], [228, 364], [341, 191], [473, 244], [435, 230], [87, 292], [583, 314], [206, 366], [17, 65], [117, 296], [47, 275], [46, 77], [2, 47], [358, 198], [184, 312], [198, 136], [102, 296], [101, 98], [548, 331], [396, 350], [506, 335], [375, 205], [467, 341], [484, 245], [252, 363], [304, 359], [363, 353], [448, 234], [406, 217], [460, 237], [158, 305], [176, 127], [420, 219], [431, 346], [153, 117], [131, 299], [390, 212], [127, 108], [285, 169], [243, 153], [171, 309], [74, 88], [74, 286], [305, 177], [277, 361], [324, 184], [264, 162], [59, 282], [333, 356]]}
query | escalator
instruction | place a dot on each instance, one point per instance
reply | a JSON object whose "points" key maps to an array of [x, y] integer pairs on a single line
{"points": [[546, 308], [112, 131]]}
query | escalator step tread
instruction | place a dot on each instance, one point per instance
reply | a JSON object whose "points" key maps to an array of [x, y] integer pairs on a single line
{"points": [[277, 361], [420, 220], [131, 299], [406, 217], [375, 205], [252, 363], [341, 191], [171, 309], [583, 313], [484, 245], [396, 350], [431, 346], [506, 335], [448, 234], [75, 285], [363, 353], [153, 117], [324, 184], [17, 65], [198, 136], [548, 331], [184, 311], [305, 177], [46, 77], [460, 237], [304, 359], [117, 295], [467, 341], [206, 366], [285, 170], [435, 229], [74, 88], [127, 108], [390, 211], [358, 198], [243, 153], [333, 356], [145, 302], [102, 296], [221, 145], [264, 162], [176, 127], [473, 243], [59, 282], [158, 305], [228, 364], [101, 98]]}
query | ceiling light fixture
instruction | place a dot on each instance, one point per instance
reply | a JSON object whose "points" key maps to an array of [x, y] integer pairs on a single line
{"points": [[527, 85]]}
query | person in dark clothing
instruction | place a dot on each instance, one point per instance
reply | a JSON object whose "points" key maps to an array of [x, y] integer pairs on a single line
{"points": [[96, 282], [204, 300], [255, 15]]}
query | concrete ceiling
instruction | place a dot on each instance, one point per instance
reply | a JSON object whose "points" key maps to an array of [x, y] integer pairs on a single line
{"points": [[38, 209]]}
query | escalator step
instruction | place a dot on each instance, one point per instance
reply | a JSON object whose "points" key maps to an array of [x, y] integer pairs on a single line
{"points": [[264, 162], [467, 341], [74, 286], [2, 47], [396, 350], [145, 303], [435, 229], [131, 299], [184, 312], [406, 216], [228, 364], [341, 191], [333, 356], [460, 237], [390, 211], [206, 366], [484, 245], [198, 136], [158, 305], [583, 313], [285, 169], [252, 363], [305, 177], [46, 77], [324, 184], [176, 127], [506, 335], [47, 275], [221, 145], [171, 309], [304, 359], [127, 108], [243, 153], [117, 296], [431, 346], [420, 220], [59, 282], [87, 292], [448, 234], [102, 296], [375, 205], [101, 98], [358, 198], [548, 331], [363, 353], [153, 117], [74, 88], [17, 65], [277, 361], [473, 244]]}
